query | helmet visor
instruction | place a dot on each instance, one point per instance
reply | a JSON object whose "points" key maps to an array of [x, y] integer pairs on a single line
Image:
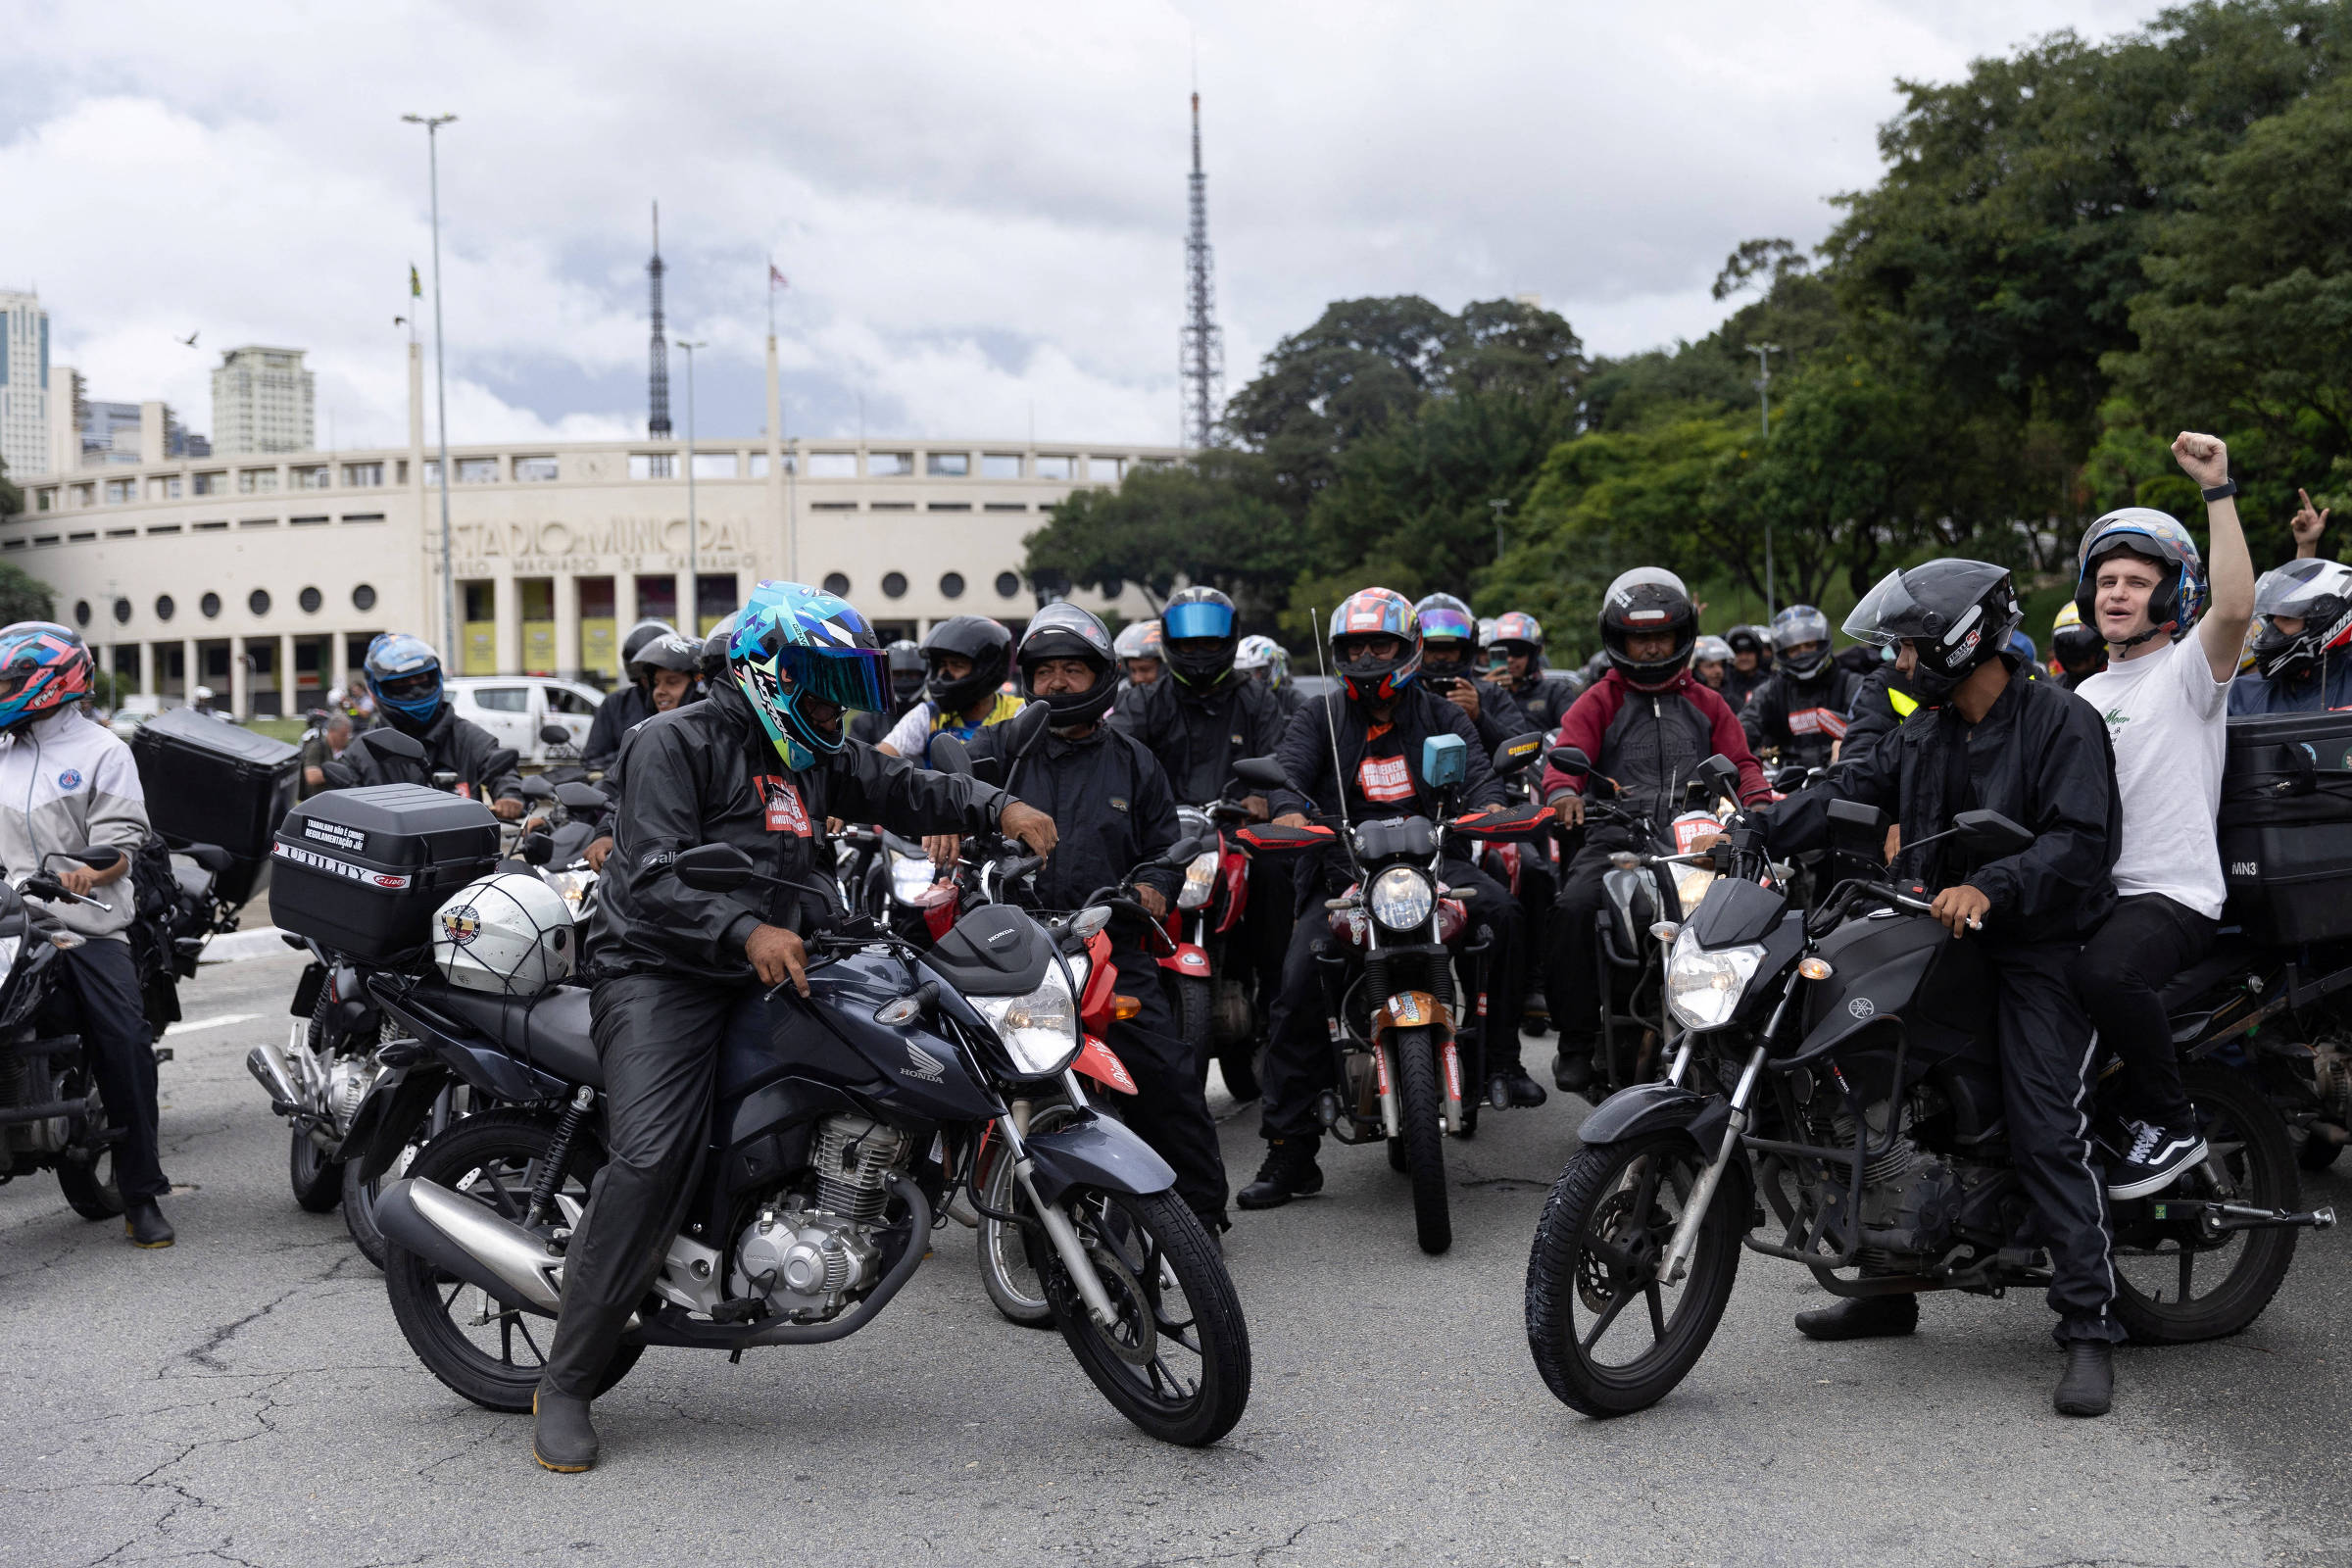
{"points": [[1198, 618], [847, 677], [417, 688], [1443, 623], [1887, 614]]}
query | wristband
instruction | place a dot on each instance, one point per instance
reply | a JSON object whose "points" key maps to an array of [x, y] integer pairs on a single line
{"points": [[2222, 491]]}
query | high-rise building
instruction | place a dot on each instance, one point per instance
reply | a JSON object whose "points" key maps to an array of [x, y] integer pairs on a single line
{"points": [[24, 384], [116, 434], [263, 401]]}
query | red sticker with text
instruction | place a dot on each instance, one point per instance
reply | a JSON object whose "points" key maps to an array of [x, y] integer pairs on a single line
{"points": [[1385, 779], [785, 813], [1817, 721]]}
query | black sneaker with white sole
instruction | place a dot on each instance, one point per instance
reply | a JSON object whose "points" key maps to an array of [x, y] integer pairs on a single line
{"points": [[2153, 1160]]}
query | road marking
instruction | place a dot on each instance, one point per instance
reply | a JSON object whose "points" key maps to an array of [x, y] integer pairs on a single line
{"points": [[230, 945], [188, 1026]]}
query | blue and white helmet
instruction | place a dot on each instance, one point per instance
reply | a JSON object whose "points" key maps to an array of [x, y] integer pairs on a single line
{"points": [[2154, 536], [404, 674]]}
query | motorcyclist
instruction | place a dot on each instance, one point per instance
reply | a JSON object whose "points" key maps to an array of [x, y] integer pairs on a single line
{"points": [[968, 657], [673, 666], [1888, 698], [1139, 650], [1800, 710], [1204, 716], [405, 674], [1268, 664], [1711, 661], [1748, 668], [1450, 667], [626, 706], [709, 668], [1114, 810], [1542, 701], [71, 786], [2302, 641], [760, 764], [324, 743], [907, 673], [1376, 724], [1645, 725], [2030, 751], [2164, 697], [2076, 651]]}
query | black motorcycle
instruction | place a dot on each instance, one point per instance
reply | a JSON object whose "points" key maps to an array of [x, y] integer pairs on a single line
{"points": [[840, 1125], [1834, 1099]]}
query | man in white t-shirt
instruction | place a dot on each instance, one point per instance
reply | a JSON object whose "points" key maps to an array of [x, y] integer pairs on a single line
{"points": [[2165, 697]]}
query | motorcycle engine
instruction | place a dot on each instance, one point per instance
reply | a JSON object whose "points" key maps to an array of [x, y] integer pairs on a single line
{"points": [[2331, 1077], [1909, 1197], [808, 1259]]}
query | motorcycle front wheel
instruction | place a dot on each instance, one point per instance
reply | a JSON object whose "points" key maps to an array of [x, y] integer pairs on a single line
{"points": [[1176, 1359], [1607, 1336], [1423, 1136], [489, 1352], [1009, 1253]]}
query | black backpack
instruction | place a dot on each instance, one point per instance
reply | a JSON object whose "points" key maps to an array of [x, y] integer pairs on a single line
{"points": [[156, 906]]}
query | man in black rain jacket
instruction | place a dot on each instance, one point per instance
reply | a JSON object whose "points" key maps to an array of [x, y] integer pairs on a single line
{"points": [[627, 705], [404, 674]]}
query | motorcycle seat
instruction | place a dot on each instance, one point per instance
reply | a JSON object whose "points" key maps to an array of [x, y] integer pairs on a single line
{"points": [[2194, 981], [193, 879], [548, 1031]]}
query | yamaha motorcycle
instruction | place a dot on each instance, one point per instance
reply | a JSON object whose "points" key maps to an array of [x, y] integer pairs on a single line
{"points": [[1835, 1101]]}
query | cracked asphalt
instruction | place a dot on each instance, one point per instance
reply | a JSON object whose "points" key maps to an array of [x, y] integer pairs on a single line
{"points": [[245, 1397]]}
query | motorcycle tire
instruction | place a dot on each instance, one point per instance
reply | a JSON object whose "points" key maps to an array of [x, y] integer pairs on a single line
{"points": [[1184, 1377], [2316, 1153], [1194, 1007], [91, 1187], [1010, 1255], [316, 1180], [1423, 1137], [490, 1157], [1603, 1224], [2251, 1141]]}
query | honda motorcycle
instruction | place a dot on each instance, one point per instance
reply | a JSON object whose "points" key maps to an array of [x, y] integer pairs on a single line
{"points": [[1834, 1099]]}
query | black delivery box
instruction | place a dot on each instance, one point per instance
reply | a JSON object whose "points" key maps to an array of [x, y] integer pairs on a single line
{"points": [[209, 781], [2286, 826], [362, 871]]}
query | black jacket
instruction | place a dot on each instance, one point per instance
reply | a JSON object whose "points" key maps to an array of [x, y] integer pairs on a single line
{"points": [[1112, 809], [1539, 704], [706, 774], [1884, 702], [1803, 719], [624, 709], [2040, 757], [1195, 737], [1739, 685], [1305, 755], [451, 745]]}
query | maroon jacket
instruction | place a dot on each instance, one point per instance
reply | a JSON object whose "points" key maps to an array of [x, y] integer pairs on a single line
{"points": [[1592, 716]]}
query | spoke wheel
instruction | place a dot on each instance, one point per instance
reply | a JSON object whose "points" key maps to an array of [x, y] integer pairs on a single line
{"points": [[490, 1354], [1608, 1337], [2172, 1284], [1176, 1358]]}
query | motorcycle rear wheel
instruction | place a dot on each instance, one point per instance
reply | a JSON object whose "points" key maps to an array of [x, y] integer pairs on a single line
{"points": [[1605, 1226], [2250, 1140], [1177, 1361], [1194, 1005], [495, 1360], [92, 1189], [1423, 1136], [316, 1180]]}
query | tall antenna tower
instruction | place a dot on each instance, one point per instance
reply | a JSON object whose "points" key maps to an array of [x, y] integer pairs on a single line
{"points": [[1202, 359], [658, 391]]}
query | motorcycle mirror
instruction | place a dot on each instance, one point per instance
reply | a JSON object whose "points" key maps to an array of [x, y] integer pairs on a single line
{"points": [[339, 776], [948, 755], [712, 868], [1183, 851], [537, 849], [1023, 728], [1990, 833], [443, 780], [1518, 751], [1722, 776], [1791, 778], [392, 743], [1262, 771], [1445, 759], [537, 788], [502, 761], [576, 797], [1569, 759], [555, 735], [1857, 829]]}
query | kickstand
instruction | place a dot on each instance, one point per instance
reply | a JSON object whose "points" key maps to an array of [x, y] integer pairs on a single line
{"points": [[735, 1360]]}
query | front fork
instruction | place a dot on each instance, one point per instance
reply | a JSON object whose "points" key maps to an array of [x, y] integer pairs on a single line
{"points": [[1012, 1127], [1677, 1259]]}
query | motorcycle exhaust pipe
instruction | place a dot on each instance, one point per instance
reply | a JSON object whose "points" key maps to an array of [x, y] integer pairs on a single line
{"points": [[268, 1064], [509, 1263]]}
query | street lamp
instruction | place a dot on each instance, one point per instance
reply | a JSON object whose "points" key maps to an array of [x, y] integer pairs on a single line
{"points": [[1764, 353], [1499, 505], [432, 125], [694, 527]]}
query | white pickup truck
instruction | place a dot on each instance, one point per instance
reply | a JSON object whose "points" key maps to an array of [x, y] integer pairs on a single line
{"points": [[513, 709]]}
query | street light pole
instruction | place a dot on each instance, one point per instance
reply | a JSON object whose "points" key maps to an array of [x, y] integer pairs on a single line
{"points": [[1499, 505], [1764, 353], [694, 527], [432, 125]]}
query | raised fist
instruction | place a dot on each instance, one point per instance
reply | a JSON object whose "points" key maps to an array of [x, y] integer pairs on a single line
{"points": [[2203, 457]]}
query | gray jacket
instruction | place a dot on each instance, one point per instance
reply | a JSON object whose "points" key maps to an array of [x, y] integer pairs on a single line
{"points": [[67, 784]]}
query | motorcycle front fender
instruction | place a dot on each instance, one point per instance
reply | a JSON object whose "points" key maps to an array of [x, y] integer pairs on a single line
{"points": [[1190, 959], [1094, 1151], [1639, 1110]]}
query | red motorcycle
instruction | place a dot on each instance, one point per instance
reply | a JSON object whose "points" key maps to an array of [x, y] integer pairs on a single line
{"points": [[1209, 989]]}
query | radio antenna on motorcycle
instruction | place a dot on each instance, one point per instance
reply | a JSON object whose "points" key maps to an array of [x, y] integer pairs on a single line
{"points": [[1331, 725]]}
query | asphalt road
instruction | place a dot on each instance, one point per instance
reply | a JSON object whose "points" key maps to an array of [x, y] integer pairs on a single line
{"points": [[245, 1397]]}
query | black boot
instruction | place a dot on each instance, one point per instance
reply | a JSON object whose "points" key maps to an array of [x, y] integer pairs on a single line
{"points": [[1290, 1171], [2087, 1385], [563, 1438], [1572, 1068], [1861, 1317], [1519, 1091], [145, 1225]]}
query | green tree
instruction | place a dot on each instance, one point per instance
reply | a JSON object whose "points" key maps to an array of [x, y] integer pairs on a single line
{"points": [[1190, 523], [11, 498], [24, 597]]}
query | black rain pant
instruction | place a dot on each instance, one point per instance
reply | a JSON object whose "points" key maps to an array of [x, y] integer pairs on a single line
{"points": [[1168, 1110], [2121, 978], [1571, 982], [105, 983]]}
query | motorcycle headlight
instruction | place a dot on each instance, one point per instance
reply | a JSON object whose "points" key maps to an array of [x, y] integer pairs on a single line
{"points": [[1040, 1030], [1401, 898], [912, 877], [1703, 986], [1690, 884], [1199, 881], [575, 886]]}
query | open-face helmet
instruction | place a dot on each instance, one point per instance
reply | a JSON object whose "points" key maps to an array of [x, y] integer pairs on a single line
{"points": [[1795, 627], [1957, 614], [2316, 592], [404, 674], [1376, 613], [1062, 630], [43, 666], [985, 642], [1645, 600], [1446, 621], [2161, 541], [1198, 637], [798, 649]]}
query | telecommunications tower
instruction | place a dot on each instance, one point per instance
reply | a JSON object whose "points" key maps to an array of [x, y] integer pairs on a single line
{"points": [[657, 390], [1201, 361]]}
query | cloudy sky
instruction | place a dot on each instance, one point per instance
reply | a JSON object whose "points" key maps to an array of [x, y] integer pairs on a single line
{"points": [[980, 207]]}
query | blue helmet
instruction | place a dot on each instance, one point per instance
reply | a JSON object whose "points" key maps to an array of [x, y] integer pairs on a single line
{"points": [[795, 645], [405, 674]]}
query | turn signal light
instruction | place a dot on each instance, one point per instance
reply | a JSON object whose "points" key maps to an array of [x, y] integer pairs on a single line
{"points": [[1815, 969], [1123, 1007]]}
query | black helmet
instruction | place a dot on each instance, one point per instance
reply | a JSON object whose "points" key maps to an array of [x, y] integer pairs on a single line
{"points": [[1744, 640], [985, 642], [1958, 613], [906, 672], [1198, 637], [1062, 630], [670, 650], [715, 647], [1645, 600], [644, 631]]}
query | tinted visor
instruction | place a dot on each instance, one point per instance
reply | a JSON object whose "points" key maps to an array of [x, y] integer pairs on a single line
{"points": [[848, 677], [1200, 618], [1887, 614], [417, 688], [1440, 622]]}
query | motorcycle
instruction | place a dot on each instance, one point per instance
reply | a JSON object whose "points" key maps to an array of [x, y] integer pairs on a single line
{"points": [[840, 1124], [1204, 973], [1834, 1099], [1403, 1048]]}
